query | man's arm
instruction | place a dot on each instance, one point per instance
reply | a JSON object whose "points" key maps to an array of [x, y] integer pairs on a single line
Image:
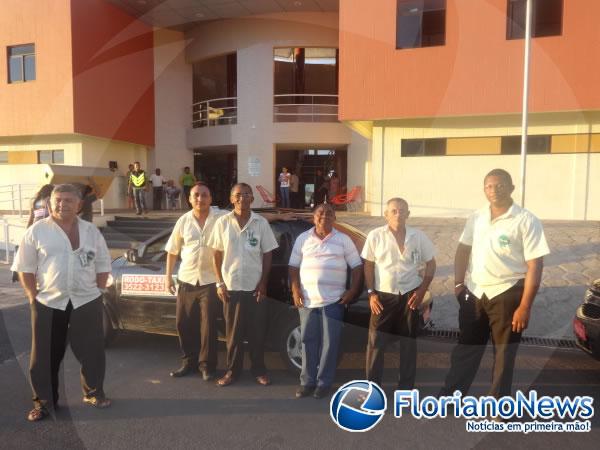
{"points": [[29, 284], [169, 285], [355, 280], [374, 302], [101, 279], [417, 297], [533, 279], [261, 288], [217, 264], [294, 273], [461, 262]]}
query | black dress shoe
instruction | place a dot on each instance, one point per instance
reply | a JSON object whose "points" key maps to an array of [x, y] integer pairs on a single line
{"points": [[183, 371], [321, 391], [304, 391], [207, 375]]}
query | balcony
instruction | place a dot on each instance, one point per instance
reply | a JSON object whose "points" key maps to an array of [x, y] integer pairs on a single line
{"points": [[305, 108], [214, 112]]}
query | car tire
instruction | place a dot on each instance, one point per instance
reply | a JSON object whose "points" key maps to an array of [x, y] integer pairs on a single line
{"points": [[109, 332], [290, 345]]}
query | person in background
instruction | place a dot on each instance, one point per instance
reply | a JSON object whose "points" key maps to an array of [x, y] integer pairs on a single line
{"points": [[284, 187], [157, 181], [187, 180], [90, 195], [139, 184], [130, 201], [334, 186], [40, 204], [294, 190], [321, 187], [172, 194]]}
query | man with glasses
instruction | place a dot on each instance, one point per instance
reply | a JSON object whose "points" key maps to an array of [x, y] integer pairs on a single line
{"points": [[505, 245], [243, 243]]}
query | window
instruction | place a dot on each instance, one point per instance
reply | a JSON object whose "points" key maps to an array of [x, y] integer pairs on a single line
{"points": [[511, 145], [3, 157], [420, 23], [21, 63], [51, 156], [423, 147], [546, 18]]}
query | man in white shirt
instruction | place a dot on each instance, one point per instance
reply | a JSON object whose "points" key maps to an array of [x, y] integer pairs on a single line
{"points": [[197, 304], [158, 182], [505, 245], [63, 264], [318, 269], [393, 255], [243, 242]]}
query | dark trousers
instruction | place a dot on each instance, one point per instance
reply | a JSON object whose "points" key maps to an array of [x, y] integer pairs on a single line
{"points": [[396, 322], [157, 193], [245, 319], [477, 318], [196, 320], [50, 328], [186, 195], [295, 200]]}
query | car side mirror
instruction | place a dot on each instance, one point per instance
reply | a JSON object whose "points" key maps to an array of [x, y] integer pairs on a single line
{"points": [[131, 255]]}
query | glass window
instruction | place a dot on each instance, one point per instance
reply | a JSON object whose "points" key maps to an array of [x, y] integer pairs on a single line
{"points": [[511, 145], [3, 157], [21, 63], [58, 156], [420, 23], [423, 147], [45, 157], [546, 18]]}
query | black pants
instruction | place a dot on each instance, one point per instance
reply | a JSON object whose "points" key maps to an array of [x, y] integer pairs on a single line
{"points": [[245, 319], [186, 196], [50, 328], [398, 322], [477, 318], [196, 320], [157, 193]]}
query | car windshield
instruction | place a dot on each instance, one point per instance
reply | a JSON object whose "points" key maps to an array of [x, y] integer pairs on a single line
{"points": [[156, 249]]}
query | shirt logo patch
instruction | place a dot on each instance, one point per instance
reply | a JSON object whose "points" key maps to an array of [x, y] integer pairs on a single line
{"points": [[503, 240], [252, 241]]}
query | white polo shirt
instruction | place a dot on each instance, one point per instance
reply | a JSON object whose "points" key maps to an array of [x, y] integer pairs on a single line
{"points": [[242, 249], [500, 248], [395, 271], [61, 272], [189, 238], [323, 265], [157, 180]]}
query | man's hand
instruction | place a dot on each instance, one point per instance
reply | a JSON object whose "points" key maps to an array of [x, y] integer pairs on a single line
{"points": [[169, 285], [223, 294], [298, 299], [520, 319], [459, 290], [416, 298], [375, 303], [260, 292], [346, 297]]}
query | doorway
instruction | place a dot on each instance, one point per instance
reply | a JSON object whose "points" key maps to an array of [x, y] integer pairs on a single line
{"points": [[217, 167]]}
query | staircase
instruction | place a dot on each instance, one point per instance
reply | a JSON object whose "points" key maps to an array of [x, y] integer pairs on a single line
{"points": [[128, 232]]}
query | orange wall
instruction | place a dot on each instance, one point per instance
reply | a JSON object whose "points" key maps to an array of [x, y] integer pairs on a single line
{"points": [[477, 72], [44, 105], [113, 73]]}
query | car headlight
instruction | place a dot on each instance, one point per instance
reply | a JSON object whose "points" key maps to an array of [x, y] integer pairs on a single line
{"points": [[110, 280]]}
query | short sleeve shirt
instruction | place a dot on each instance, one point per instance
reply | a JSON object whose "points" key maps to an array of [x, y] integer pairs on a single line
{"points": [[62, 273], [191, 240], [501, 248], [243, 249], [395, 271], [323, 265]]}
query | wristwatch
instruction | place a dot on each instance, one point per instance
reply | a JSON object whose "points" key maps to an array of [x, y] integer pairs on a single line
{"points": [[370, 291], [220, 284]]}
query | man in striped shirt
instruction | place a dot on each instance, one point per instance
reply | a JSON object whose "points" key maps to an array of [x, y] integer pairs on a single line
{"points": [[318, 268]]}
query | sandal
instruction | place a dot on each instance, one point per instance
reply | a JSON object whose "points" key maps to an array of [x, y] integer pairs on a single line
{"points": [[37, 413], [225, 380], [263, 380], [97, 402]]}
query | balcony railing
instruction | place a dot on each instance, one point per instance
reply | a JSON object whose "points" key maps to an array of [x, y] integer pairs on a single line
{"points": [[217, 111], [305, 108]]}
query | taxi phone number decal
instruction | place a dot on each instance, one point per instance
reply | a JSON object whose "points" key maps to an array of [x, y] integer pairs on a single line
{"points": [[143, 285]]}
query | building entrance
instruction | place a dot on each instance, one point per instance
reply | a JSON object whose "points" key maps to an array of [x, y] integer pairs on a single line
{"points": [[217, 167], [322, 172]]}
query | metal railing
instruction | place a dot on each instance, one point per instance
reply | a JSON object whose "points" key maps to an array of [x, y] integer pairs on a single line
{"points": [[17, 197], [305, 108], [217, 111], [6, 230]]}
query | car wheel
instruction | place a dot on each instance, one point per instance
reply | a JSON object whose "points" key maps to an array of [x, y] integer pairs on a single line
{"points": [[109, 332], [291, 346]]}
